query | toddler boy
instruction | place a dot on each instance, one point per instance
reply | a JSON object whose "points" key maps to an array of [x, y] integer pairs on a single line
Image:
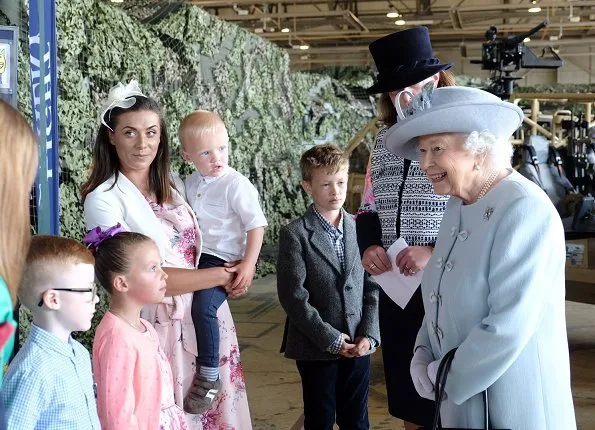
{"points": [[232, 227]]}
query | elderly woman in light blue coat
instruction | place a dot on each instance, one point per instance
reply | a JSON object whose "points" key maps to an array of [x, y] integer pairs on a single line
{"points": [[494, 287]]}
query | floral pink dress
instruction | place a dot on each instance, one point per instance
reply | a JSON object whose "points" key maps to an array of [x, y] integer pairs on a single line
{"points": [[172, 416], [173, 322]]}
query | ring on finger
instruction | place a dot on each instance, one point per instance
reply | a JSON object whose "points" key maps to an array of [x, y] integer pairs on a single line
{"points": [[411, 271], [372, 266]]}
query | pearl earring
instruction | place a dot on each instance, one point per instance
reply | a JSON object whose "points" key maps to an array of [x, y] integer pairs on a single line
{"points": [[477, 167]]}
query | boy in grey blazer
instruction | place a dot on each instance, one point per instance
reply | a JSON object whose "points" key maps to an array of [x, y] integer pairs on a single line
{"points": [[331, 304]]}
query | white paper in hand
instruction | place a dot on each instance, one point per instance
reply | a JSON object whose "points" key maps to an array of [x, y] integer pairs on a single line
{"points": [[398, 287]]}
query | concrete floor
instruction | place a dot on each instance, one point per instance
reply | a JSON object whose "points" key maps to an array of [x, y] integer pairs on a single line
{"points": [[273, 384]]}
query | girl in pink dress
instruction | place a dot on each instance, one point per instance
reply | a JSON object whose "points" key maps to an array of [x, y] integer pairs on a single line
{"points": [[133, 376]]}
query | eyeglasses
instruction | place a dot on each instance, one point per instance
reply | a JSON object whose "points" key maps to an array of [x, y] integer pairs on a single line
{"points": [[74, 290]]}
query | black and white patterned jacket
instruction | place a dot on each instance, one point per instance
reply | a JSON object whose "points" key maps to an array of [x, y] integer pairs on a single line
{"points": [[421, 209]]}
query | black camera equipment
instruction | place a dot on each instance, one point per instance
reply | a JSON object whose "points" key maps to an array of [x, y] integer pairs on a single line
{"points": [[579, 145], [506, 55]]}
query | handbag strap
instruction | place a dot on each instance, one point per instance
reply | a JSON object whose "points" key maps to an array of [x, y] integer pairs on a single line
{"points": [[406, 165], [439, 388], [443, 369]]}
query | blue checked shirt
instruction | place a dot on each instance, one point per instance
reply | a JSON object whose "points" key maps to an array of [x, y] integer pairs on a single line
{"points": [[49, 385], [335, 235]]}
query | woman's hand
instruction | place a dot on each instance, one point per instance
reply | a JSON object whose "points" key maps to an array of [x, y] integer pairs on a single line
{"points": [[419, 373], [244, 275], [375, 260], [413, 259], [432, 371], [233, 288], [232, 263]]}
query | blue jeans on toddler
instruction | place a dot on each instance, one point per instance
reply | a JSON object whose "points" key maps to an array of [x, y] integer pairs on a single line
{"points": [[205, 304]]}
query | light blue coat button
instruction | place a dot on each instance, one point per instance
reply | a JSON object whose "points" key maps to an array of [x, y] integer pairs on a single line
{"points": [[463, 235], [435, 298], [449, 265]]}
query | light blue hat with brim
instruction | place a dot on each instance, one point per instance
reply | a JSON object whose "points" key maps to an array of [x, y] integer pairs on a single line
{"points": [[449, 110]]}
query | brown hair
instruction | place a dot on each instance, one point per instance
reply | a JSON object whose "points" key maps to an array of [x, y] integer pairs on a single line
{"points": [[386, 110], [114, 256], [106, 162], [46, 260], [199, 123], [18, 158], [326, 156]]}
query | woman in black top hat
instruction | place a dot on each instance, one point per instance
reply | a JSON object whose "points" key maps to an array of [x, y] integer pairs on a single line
{"points": [[399, 201]]}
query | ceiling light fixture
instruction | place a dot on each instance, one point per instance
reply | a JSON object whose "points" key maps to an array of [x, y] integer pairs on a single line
{"points": [[534, 9], [239, 11], [400, 22], [526, 40], [304, 47], [285, 30], [392, 12], [117, 1]]}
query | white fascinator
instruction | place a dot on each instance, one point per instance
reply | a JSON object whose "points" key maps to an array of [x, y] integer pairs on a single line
{"points": [[122, 96]]}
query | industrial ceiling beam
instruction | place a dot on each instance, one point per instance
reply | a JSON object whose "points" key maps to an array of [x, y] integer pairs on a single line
{"points": [[286, 15], [376, 16], [472, 48], [516, 6], [338, 31], [556, 4], [227, 3], [467, 31], [343, 50]]}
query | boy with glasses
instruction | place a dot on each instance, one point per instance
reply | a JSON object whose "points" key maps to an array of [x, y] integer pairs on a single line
{"points": [[49, 384]]}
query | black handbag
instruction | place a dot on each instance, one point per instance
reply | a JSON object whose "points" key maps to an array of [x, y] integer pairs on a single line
{"points": [[443, 370]]}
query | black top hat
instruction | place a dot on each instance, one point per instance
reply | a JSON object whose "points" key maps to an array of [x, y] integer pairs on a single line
{"points": [[402, 59]]}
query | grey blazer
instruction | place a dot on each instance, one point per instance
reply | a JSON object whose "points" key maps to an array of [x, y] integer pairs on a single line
{"points": [[320, 298]]}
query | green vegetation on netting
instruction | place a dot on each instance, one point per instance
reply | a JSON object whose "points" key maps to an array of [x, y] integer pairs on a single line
{"points": [[187, 59]]}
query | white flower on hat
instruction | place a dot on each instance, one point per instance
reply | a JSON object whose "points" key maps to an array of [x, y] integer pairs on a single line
{"points": [[122, 96], [418, 103]]}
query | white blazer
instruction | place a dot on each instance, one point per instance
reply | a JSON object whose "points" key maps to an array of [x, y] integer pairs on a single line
{"points": [[123, 203]]}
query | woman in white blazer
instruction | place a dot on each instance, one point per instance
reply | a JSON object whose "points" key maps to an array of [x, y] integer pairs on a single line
{"points": [[131, 184], [494, 287]]}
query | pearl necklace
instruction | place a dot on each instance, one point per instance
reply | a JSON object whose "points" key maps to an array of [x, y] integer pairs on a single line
{"points": [[487, 184]]}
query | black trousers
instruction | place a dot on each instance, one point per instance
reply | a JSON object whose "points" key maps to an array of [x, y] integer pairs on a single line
{"points": [[398, 331], [336, 389]]}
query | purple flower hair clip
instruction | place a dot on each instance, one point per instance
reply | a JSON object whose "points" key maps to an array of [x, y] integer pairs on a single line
{"points": [[94, 237]]}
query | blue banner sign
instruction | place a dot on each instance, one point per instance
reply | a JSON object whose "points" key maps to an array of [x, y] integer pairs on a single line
{"points": [[44, 93]]}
